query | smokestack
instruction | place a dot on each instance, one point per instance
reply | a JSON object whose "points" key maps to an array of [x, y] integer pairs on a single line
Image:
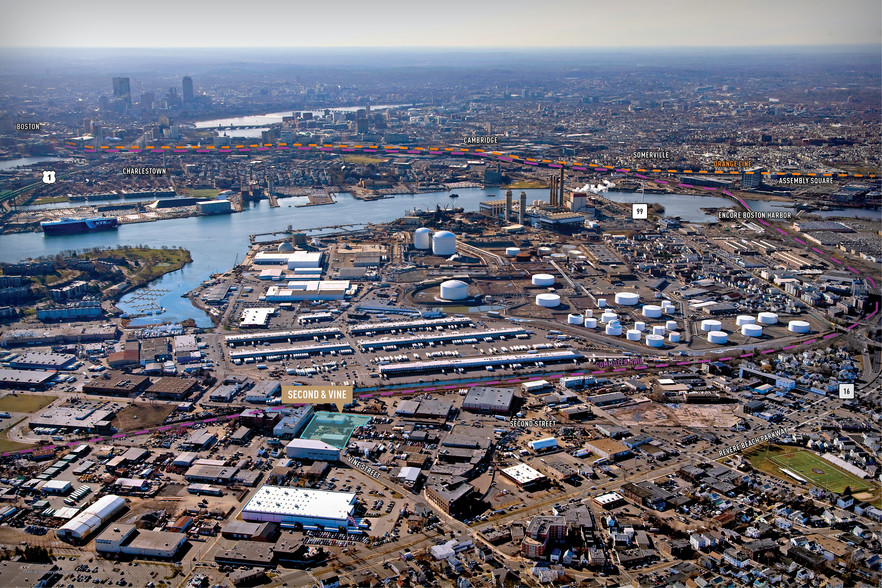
{"points": [[522, 213], [560, 188], [552, 191], [508, 205]]}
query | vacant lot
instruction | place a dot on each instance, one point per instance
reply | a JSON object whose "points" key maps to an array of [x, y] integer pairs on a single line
{"points": [[24, 402], [142, 415], [676, 415]]}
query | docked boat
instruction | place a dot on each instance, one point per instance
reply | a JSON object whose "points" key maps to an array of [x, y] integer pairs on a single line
{"points": [[68, 226]]}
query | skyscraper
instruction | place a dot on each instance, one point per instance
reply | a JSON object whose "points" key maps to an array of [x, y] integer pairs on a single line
{"points": [[188, 90], [122, 90]]}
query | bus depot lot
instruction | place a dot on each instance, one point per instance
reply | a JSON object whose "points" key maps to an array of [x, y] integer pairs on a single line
{"points": [[360, 364]]}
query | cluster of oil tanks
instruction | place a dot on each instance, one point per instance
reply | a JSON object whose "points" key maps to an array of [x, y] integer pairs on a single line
{"points": [[442, 243]]}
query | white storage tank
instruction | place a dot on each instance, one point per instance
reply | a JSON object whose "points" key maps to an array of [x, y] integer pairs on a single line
{"points": [[454, 290], [608, 316], [674, 337], [588, 313], [547, 300], [658, 330], [590, 322], [717, 337], [422, 238], [601, 303], [767, 318], [655, 340], [512, 251], [671, 325], [627, 298], [652, 311], [640, 326], [615, 330], [575, 319], [568, 248], [560, 256], [752, 330], [544, 251], [633, 335], [708, 325], [798, 327], [744, 319], [543, 280], [444, 243]]}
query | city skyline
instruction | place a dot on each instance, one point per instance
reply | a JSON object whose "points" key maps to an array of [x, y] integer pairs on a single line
{"points": [[454, 24]]}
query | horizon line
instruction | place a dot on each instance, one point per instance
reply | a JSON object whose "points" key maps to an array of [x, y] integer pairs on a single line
{"points": [[518, 48]]}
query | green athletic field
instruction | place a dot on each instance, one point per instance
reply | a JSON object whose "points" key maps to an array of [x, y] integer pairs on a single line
{"points": [[819, 471]]}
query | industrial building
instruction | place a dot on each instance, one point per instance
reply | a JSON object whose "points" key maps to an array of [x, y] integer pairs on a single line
{"points": [[546, 444], [210, 474], [473, 362], [35, 360], [114, 383], [297, 351], [172, 388], [256, 317], [291, 425], [264, 391], [288, 336], [312, 449], [371, 328], [292, 260], [84, 417], [25, 379], [290, 506], [308, 290], [129, 540], [488, 399], [608, 448], [524, 476], [460, 336], [77, 529]]}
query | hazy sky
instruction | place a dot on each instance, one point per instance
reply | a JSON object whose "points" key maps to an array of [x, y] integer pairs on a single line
{"points": [[438, 23]]}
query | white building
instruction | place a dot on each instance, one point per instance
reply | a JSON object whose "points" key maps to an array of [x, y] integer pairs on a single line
{"points": [[85, 523], [292, 260], [308, 507], [312, 449], [128, 540], [308, 290]]}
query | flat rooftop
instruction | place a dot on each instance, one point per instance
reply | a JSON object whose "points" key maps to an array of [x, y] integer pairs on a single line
{"points": [[301, 502], [333, 428], [522, 474]]}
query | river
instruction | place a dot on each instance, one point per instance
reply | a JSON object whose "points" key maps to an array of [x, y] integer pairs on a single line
{"points": [[689, 207], [215, 241], [23, 161], [276, 117]]}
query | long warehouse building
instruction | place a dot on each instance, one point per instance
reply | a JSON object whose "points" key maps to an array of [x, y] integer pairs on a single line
{"points": [[408, 325], [87, 522], [302, 350], [472, 362], [233, 340], [402, 341], [305, 506]]}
